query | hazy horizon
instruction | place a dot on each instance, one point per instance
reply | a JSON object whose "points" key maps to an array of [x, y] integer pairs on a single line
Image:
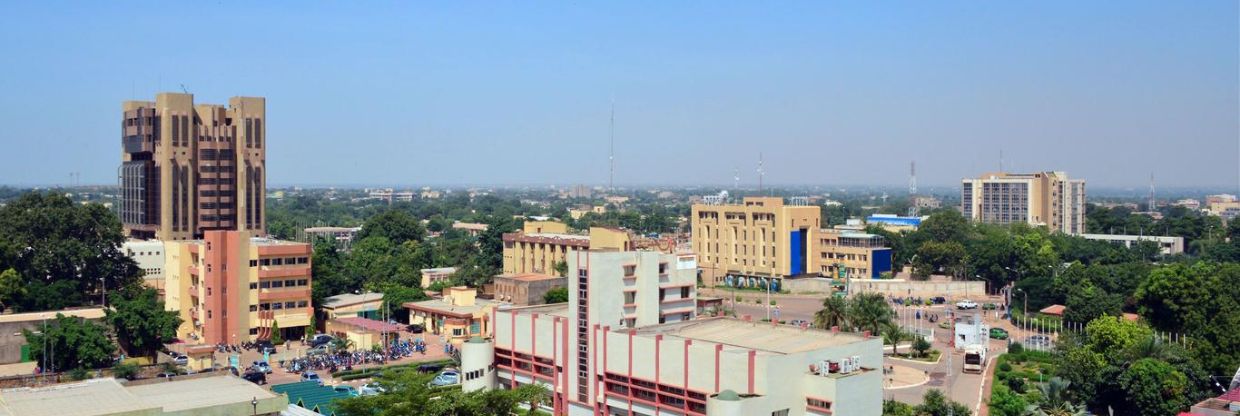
{"points": [[521, 93]]}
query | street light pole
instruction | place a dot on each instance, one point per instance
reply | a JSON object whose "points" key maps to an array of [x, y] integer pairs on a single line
{"points": [[254, 404]]}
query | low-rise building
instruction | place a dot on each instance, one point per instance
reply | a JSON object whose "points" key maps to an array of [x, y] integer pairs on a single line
{"points": [[390, 195], [526, 288], [149, 254], [13, 347], [1166, 244], [229, 287], [342, 236], [894, 223], [365, 305], [212, 395], [365, 333], [457, 315], [437, 275], [470, 228], [925, 202], [848, 254], [1188, 203], [627, 343], [541, 245]]}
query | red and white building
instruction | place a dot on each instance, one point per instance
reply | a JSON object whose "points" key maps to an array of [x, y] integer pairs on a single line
{"points": [[629, 342]]}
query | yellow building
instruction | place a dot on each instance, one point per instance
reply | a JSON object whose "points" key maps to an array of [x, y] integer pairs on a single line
{"points": [[230, 288], [458, 315], [847, 254], [540, 245], [1047, 199], [365, 333], [755, 241]]}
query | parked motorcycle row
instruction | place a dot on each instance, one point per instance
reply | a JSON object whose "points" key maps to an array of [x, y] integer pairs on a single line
{"points": [[346, 360]]}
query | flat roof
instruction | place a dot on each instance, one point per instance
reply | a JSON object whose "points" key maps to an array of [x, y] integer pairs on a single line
{"points": [[349, 299], [554, 309], [438, 305], [100, 396], [89, 313], [439, 270], [200, 393], [761, 336], [370, 324], [530, 277]]}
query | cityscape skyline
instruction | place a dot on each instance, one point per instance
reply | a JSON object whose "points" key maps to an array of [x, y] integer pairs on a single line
{"points": [[394, 94]]}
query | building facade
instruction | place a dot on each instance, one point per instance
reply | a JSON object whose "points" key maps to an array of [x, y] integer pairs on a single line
{"points": [[1166, 244], [848, 254], [1049, 199], [541, 245], [188, 168], [629, 343], [758, 239], [525, 289], [229, 287], [437, 275], [149, 254], [457, 315]]}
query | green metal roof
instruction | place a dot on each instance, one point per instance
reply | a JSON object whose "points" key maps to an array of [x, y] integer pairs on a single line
{"points": [[311, 395]]}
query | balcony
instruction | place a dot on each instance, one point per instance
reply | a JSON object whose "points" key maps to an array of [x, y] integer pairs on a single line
{"points": [[284, 271], [284, 294]]}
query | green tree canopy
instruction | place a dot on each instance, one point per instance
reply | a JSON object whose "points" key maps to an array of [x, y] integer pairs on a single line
{"points": [[141, 324], [397, 226], [556, 295], [69, 342], [1154, 387]]}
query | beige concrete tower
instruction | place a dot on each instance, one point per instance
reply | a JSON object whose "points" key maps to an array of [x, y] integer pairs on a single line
{"points": [[188, 168]]}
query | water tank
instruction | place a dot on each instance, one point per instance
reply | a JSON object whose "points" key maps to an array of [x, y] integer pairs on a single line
{"points": [[477, 364]]}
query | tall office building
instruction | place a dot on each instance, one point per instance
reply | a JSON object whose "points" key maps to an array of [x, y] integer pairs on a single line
{"points": [[759, 239], [1047, 199], [188, 168]]}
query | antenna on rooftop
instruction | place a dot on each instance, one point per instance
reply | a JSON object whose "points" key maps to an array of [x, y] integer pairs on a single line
{"points": [[761, 173], [183, 89]]}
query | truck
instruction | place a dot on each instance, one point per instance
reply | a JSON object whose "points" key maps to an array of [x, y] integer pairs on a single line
{"points": [[974, 359]]}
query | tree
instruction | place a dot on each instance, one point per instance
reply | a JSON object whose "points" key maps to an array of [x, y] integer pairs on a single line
{"points": [[69, 342], [141, 323], [920, 345], [396, 226], [63, 252], [893, 334], [944, 226], [1086, 302], [561, 268], [125, 370], [1054, 400], [11, 290], [276, 339], [408, 393], [556, 295], [395, 296], [834, 312], [1202, 300], [1004, 402], [1112, 335], [870, 312], [894, 408], [1154, 387], [342, 344], [935, 403]]}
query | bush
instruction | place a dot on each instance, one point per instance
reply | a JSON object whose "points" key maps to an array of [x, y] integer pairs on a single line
{"points": [[1005, 367], [1016, 348], [79, 373], [921, 346], [125, 370], [1017, 384]]}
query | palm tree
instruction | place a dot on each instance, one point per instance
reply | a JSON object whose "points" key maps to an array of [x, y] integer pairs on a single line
{"points": [[893, 334], [834, 312], [1055, 401], [869, 311], [342, 344]]}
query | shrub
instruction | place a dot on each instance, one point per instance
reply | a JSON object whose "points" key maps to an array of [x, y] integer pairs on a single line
{"points": [[1016, 348], [1017, 384], [1005, 367], [79, 373], [125, 370], [921, 346]]}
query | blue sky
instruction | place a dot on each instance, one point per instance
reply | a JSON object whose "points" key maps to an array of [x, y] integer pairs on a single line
{"points": [[519, 92]]}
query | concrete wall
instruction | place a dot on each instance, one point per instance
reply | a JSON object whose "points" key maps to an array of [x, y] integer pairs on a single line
{"points": [[951, 290]]}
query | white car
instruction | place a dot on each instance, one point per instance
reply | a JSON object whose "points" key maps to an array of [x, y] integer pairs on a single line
{"points": [[966, 304], [371, 389]]}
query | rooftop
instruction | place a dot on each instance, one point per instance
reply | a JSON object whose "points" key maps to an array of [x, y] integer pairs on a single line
{"points": [[332, 229], [777, 339], [439, 270], [442, 306], [554, 309], [348, 299], [188, 394], [90, 313], [103, 396], [530, 277], [370, 324]]}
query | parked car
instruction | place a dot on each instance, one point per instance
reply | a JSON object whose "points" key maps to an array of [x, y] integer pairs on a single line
{"points": [[371, 389], [417, 328], [447, 378], [798, 322], [261, 366], [966, 304], [429, 368], [265, 346], [346, 389], [321, 339], [166, 375], [256, 377], [180, 359], [320, 350], [998, 333], [311, 376]]}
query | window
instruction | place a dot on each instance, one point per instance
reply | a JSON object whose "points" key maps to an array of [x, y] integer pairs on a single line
{"points": [[264, 306], [253, 286], [264, 285], [208, 314], [290, 283], [253, 331], [780, 413], [684, 292], [303, 260], [277, 306], [456, 332], [303, 282], [290, 305], [253, 263], [277, 283], [277, 261], [253, 308], [302, 304], [265, 262]]}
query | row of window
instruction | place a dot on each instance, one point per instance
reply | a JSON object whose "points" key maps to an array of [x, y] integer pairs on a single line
{"points": [[279, 305], [276, 284], [279, 261]]}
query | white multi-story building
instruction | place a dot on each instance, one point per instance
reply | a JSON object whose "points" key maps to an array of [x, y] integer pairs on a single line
{"points": [[1047, 199], [1166, 244], [628, 343], [149, 254]]}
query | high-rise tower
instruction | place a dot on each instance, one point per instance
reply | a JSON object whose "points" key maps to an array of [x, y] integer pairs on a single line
{"points": [[188, 168]]}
